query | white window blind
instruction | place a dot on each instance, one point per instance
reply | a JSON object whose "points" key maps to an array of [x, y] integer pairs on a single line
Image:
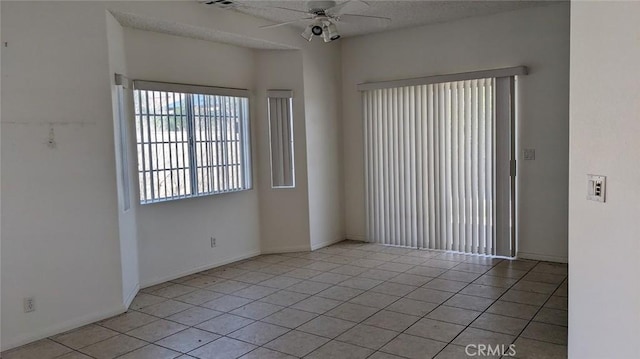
{"points": [[191, 140], [280, 103], [430, 165]]}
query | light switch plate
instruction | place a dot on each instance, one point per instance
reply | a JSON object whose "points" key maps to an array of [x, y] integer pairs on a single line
{"points": [[596, 188], [529, 154]]}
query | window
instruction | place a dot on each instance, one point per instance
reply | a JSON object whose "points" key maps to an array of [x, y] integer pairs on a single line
{"points": [[281, 138], [122, 154], [191, 140]]}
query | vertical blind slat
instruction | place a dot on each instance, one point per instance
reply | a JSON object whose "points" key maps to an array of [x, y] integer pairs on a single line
{"points": [[442, 182], [464, 146], [429, 242], [457, 218], [401, 162], [386, 197], [413, 208], [471, 94], [491, 166], [392, 117], [376, 170], [383, 158], [420, 162], [473, 173]]}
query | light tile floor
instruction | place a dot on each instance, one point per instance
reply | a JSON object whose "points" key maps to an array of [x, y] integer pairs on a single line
{"points": [[349, 300]]}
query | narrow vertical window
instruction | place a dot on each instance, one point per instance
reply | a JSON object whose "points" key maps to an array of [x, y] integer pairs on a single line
{"points": [[123, 152], [280, 107]]}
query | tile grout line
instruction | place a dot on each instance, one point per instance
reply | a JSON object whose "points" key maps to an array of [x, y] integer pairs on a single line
{"points": [[484, 311], [384, 308], [438, 306], [516, 337], [379, 310], [538, 311], [388, 280], [318, 315], [366, 268], [356, 323]]}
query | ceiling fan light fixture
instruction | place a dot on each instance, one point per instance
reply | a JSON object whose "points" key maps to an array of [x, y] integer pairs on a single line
{"points": [[325, 35], [307, 34], [331, 32], [322, 23], [316, 30]]}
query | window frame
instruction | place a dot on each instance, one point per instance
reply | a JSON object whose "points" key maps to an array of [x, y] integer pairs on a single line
{"points": [[191, 162]]}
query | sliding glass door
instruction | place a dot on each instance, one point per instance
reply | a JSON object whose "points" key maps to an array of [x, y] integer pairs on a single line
{"points": [[438, 166]]}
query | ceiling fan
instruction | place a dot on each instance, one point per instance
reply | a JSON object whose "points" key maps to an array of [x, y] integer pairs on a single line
{"points": [[321, 16]]}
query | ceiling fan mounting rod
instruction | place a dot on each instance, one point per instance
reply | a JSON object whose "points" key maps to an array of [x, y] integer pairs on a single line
{"points": [[318, 12], [317, 7]]}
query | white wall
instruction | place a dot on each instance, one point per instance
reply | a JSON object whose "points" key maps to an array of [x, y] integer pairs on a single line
{"points": [[604, 238], [174, 236], [310, 215], [321, 55], [284, 212], [60, 214], [536, 37], [127, 218], [322, 79], [320, 61], [59, 207]]}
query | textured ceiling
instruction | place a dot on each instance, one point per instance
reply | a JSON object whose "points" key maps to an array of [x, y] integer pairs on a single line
{"points": [[194, 32], [402, 13]]}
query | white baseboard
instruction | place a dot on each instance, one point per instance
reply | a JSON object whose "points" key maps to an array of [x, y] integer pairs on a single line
{"points": [[42, 333], [132, 294], [356, 237], [542, 257], [88, 319], [155, 281], [286, 249], [325, 243]]}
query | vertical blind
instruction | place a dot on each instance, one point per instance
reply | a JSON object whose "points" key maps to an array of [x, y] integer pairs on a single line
{"points": [[430, 165], [281, 138]]}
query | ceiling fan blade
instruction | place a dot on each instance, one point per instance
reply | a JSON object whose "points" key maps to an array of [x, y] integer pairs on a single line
{"points": [[252, 5], [284, 23], [347, 5], [363, 19], [359, 19], [286, 8]]}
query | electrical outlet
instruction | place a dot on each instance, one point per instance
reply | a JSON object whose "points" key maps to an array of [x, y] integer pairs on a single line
{"points": [[29, 304], [213, 242]]}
